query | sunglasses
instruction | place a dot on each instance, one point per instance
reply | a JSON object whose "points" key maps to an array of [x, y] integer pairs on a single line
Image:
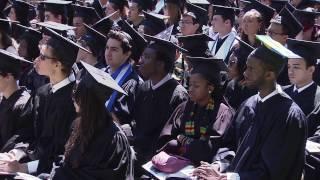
{"points": [[44, 57]]}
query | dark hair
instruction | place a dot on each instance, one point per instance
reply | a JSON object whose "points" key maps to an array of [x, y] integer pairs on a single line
{"points": [[93, 117], [165, 55], [21, 17], [227, 17], [6, 40], [32, 46], [64, 19], [195, 21], [120, 8], [59, 53], [272, 64], [124, 39]]}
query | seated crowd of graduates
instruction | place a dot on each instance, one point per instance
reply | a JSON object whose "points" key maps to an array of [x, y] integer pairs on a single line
{"points": [[96, 89]]}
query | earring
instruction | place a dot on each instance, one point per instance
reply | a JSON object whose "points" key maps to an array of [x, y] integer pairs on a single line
{"points": [[210, 91]]}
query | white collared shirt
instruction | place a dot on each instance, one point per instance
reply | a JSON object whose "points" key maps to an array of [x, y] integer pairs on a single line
{"points": [[61, 84], [302, 88], [224, 35], [273, 93], [160, 83]]}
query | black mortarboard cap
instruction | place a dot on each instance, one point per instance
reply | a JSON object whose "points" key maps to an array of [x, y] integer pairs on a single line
{"points": [[226, 11], [120, 3], [306, 16], [70, 48], [59, 28], [5, 25], [242, 52], [196, 44], [288, 21], [97, 6], [100, 82], [200, 14], [89, 14], [167, 47], [200, 2], [209, 67], [94, 39], [278, 4], [138, 42], [272, 53], [267, 12], [104, 25], [96, 34], [155, 22], [170, 45], [145, 4], [11, 63], [308, 50], [37, 35], [3, 4], [56, 6], [22, 10], [177, 2]]}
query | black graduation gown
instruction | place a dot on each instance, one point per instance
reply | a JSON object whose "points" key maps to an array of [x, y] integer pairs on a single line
{"points": [[150, 111], [130, 86], [15, 119], [200, 149], [236, 94], [270, 139], [53, 115], [32, 80], [306, 101], [107, 156]]}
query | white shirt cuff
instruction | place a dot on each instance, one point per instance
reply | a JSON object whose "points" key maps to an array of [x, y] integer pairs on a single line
{"points": [[32, 166], [18, 153], [233, 176]]}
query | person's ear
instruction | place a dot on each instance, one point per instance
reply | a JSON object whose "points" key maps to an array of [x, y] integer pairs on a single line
{"points": [[270, 76], [311, 69], [128, 54]]}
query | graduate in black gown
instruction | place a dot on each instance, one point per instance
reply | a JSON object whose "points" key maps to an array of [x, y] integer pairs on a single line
{"points": [[156, 99], [95, 42], [29, 49], [235, 91], [53, 110], [97, 148], [205, 114], [117, 56], [304, 91], [14, 114], [269, 131]]}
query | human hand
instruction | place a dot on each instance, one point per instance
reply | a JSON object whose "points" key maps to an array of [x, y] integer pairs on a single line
{"points": [[13, 167]]}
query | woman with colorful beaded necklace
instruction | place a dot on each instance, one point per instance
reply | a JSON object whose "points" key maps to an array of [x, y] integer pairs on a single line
{"points": [[203, 116]]}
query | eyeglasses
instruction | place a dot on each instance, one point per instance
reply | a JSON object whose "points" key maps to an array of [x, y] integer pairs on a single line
{"points": [[44, 57], [185, 22], [271, 33]]}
